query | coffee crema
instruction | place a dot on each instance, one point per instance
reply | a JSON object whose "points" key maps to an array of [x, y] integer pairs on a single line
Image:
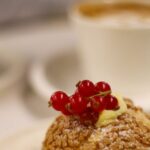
{"points": [[125, 13], [94, 10]]}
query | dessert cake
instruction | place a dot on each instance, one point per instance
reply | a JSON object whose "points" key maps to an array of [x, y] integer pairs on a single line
{"points": [[94, 118]]}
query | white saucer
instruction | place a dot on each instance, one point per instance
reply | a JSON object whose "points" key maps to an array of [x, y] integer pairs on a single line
{"points": [[29, 139], [62, 72]]}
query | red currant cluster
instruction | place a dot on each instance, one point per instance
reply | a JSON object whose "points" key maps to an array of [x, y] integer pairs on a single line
{"points": [[87, 101]]}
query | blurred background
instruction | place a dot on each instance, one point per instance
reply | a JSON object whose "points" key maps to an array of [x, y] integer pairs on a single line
{"points": [[37, 56], [36, 43], [31, 10]]}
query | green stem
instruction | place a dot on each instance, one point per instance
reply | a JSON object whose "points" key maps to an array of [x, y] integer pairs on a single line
{"points": [[101, 94]]}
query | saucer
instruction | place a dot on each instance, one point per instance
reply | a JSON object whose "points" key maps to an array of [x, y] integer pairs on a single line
{"points": [[62, 72]]}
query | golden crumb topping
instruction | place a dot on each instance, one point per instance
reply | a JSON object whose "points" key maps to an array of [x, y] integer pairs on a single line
{"points": [[127, 132]]}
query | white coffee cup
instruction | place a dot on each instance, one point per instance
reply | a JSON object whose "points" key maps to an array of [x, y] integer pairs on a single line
{"points": [[116, 54]]}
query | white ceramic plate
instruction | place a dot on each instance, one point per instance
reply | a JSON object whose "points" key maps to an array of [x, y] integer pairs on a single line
{"points": [[29, 139]]}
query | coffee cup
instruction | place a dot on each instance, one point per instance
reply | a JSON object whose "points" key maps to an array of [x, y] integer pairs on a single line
{"points": [[114, 43]]}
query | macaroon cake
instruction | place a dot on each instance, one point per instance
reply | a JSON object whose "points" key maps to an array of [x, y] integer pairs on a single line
{"points": [[103, 123]]}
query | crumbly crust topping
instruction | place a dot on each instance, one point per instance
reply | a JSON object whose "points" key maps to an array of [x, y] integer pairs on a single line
{"points": [[124, 133], [67, 133]]}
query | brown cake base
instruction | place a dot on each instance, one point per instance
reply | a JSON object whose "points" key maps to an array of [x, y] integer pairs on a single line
{"points": [[129, 131]]}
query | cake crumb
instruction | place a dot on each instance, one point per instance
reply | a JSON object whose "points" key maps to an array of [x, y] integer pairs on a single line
{"points": [[124, 133]]}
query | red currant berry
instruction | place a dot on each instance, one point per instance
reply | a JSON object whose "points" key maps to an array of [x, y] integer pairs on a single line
{"points": [[86, 88], [76, 92], [58, 100], [66, 112], [89, 116], [112, 102], [98, 103], [78, 103], [102, 87], [94, 116]]}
